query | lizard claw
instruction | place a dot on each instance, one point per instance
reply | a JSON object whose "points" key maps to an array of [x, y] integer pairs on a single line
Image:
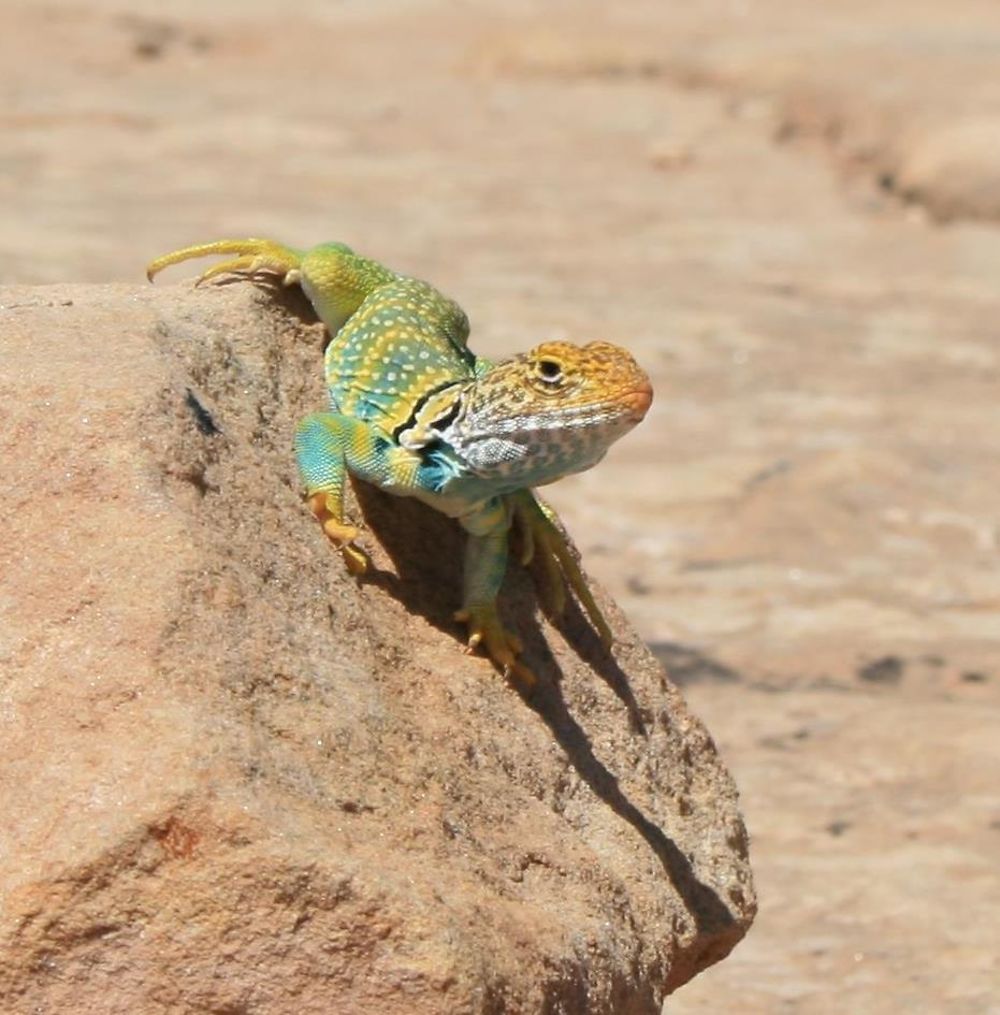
{"points": [[342, 536], [355, 559], [501, 646]]}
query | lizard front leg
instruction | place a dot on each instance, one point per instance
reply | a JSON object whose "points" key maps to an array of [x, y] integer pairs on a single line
{"points": [[485, 564], [325, 444], [328, 446]]}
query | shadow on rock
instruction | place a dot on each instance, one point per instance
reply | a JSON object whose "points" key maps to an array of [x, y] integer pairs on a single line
{"points": [[709, 912], [426, 549]]}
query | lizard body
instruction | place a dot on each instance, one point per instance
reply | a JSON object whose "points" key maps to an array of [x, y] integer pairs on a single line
{"points": [[416, 413]]}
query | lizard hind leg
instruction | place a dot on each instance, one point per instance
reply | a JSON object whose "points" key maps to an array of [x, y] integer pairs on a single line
{"points": [[252, 255], [543, 541]]}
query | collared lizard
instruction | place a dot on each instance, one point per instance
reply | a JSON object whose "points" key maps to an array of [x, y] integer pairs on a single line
{"points": [[416, 413]]}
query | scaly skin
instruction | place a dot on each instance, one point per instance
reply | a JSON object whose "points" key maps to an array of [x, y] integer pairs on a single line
{"points": [[415, 412]]}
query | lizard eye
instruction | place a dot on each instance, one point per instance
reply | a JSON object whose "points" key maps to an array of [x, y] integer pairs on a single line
{"points": [[549, 370]]}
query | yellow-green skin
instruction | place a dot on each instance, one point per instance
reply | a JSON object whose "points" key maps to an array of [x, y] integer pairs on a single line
{"points": [[416, 413]]}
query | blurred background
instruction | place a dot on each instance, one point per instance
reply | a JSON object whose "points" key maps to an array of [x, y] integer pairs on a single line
{"points": [[791, 214]]}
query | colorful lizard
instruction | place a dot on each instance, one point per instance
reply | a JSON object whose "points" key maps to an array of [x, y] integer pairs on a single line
{"points": [[416, 413]]}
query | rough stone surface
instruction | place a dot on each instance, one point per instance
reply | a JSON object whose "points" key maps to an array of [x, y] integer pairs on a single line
{"points": [[236, 780]]}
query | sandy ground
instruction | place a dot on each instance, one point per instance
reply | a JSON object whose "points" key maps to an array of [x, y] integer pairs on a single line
{"points": [[789, 212]]}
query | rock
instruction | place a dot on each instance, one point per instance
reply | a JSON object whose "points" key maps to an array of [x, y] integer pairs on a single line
{"points": [[238, 780], [954, 170]]}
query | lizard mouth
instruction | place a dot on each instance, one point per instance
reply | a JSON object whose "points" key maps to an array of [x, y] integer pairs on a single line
{"points": [[638, 401]]}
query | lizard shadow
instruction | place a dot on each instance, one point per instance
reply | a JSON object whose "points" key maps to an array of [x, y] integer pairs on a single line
{"points": [[578, 632], [290, 298], [426, 550], [709, 912]]}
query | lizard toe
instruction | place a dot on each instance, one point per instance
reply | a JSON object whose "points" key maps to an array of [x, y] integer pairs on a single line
{"points": [[502, 646]]}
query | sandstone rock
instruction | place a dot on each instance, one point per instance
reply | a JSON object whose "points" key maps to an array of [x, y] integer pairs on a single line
{"points": [[237, 780]]}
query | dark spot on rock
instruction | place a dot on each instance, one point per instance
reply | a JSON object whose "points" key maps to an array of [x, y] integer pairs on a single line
{"points": [[355, 807], [886, 670], [776, 468], [975, 677], [196, 477], [202, 417]]}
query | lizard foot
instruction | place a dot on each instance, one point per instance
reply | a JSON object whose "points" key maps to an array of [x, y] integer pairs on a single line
{"points": [[501, 646], [252, 256], [543, 541], [342, 536]]}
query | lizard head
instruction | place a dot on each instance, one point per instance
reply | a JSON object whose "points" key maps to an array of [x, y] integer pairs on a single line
{"points": [[595, 381], [551, 411]]}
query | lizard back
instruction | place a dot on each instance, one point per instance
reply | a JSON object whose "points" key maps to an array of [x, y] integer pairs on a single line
{"points": [[405, 342]]}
